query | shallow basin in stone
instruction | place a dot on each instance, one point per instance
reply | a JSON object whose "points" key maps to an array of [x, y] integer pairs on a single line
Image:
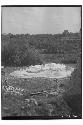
{"points": [[51, 70]]}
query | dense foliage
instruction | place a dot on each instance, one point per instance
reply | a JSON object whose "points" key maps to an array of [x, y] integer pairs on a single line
{"points": [[73, 95], [17, 52], [25, 49]]}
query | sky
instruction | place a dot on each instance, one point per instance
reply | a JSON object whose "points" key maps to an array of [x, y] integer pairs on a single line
{"points": [[40, 20]]}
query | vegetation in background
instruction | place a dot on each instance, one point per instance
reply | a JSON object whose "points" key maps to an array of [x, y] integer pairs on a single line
{"points": [[26, 49], [18, 52]]}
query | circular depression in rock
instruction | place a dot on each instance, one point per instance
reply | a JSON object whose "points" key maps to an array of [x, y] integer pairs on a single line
{"points": [[50, 70]]}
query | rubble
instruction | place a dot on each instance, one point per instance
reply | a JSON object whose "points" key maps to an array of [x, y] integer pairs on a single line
{"points": [[50, 70]]}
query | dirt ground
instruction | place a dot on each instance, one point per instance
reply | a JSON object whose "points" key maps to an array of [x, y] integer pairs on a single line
{"points": [[35, 97]]}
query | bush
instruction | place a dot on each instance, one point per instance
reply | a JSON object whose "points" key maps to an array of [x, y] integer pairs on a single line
{"points": [[31, 57], [19, 53]]}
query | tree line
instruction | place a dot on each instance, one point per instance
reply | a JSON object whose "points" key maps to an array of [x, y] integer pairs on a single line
{"points": [[26, 49]]}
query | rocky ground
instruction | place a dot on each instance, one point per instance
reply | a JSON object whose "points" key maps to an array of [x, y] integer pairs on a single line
{"points": [[42, 98]]}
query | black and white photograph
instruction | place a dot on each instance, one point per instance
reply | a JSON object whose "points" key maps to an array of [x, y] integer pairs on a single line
{"points": [[41, 62]]}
